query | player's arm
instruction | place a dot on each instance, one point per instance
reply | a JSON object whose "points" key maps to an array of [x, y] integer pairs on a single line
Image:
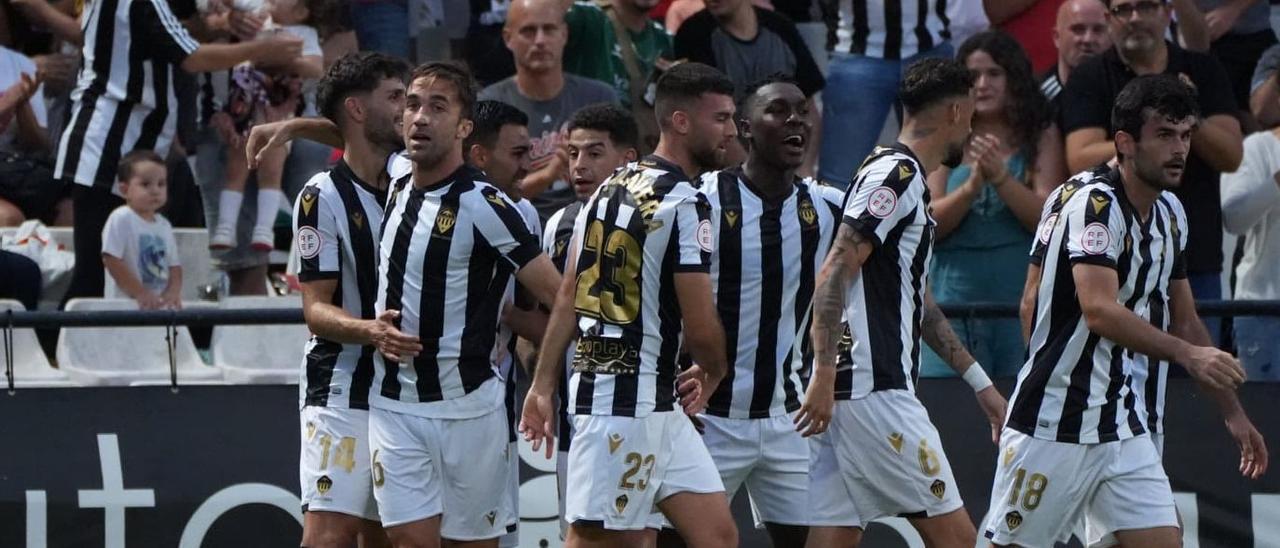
{"points": [[703, 336], [277, 134], [1027, 304], [524, 317], [1185, 323], [537, 420], [1097, 287], [541, 279], [937, 333], [333, 323], [1088, 147]]}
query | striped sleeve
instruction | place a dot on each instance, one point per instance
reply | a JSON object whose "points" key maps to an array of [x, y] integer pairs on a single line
{"points": [[316, 234], [883, 197], [158, 32], [502, 226], [1095, 228], [693, 233]]}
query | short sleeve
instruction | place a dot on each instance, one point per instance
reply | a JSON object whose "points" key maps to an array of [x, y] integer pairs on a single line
{"points": [[502, 226], [152, 23], [1267, 65], [115, 235], [693, 233], [886, 193], [1084, 99], [1049, 218], [316, 235], [1095, 230]]}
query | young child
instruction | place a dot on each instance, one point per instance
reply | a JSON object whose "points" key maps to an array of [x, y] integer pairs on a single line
{"points": [[264, 94], [138, 248]]}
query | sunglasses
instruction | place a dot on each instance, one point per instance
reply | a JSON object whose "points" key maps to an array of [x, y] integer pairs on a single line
{"points": [[1144, 9]]}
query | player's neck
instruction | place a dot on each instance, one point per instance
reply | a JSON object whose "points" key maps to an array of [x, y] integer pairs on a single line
{"points": [[424, 176], [542, 85], [924, 143], [1140, 193], [366, 161], [772, 182], [677, 155]]}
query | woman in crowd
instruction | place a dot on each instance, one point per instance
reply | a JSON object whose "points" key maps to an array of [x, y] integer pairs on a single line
{"points": [[987, 208]]}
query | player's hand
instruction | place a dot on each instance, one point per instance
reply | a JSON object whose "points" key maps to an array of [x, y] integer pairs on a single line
{"points": [[396, 345], [264, 138], [1253, 449], [1214, 368], [537, 420], [814, 417], [993, 406], [691, 385]]}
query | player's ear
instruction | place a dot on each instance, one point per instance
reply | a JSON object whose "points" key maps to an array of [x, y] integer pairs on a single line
{"points": [[631, 154], [1125, 144], [477, 156], [354, 108], [464, 129], [680, 121]]}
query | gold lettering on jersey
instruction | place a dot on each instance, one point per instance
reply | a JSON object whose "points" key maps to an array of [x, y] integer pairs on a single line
{"points": [[491, 517], [730, 217], [1098, 202], [615, 441], [895, 440], [620, 503], [1009, 453], [378, 475], [938, 488], [311, 430], [445, 220], [807, 213], [1012, 520], [358, 219], [640, 187], [605, 356]]}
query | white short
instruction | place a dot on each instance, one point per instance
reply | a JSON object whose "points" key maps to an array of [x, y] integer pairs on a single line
{"points": [[1094, 532], [420, 464], [620, 468], [880, 457], [334, 464], [512, 538], [1043, 488], [770, 458]]}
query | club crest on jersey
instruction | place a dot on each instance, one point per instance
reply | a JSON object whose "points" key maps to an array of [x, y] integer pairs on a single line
{"points": [[807, 213], [882, 202], [324, 484], [308, 199], [895, 441], [445, 220], [615, 441], [1095, 239], [620, 503], [358, 219], [730, 217], [938, 488], [1012, 520]]}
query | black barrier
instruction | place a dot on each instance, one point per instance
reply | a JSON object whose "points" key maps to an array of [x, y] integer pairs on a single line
{"points": [[216, 466]]}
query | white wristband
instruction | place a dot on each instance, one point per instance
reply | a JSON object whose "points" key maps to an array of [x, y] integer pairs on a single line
{"points": [[976, 377]]}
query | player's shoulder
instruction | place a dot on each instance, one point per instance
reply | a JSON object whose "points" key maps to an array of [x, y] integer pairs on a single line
{"points": [[892, 162], [398, 166], [1094, 199], [823, 191]]}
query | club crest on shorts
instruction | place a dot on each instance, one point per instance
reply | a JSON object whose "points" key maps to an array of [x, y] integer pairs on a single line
{"points": [[938, 488], [620, 503], [895, 440], [323, 484], [615, 441], [1012, 520]]}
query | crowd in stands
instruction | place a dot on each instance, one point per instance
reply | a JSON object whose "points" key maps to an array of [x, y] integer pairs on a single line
{"points": [[86, 85]]}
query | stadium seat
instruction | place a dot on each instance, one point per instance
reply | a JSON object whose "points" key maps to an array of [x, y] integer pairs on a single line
{"points": [[31, 369], [259, 354], [197, 266], [123, 356]]}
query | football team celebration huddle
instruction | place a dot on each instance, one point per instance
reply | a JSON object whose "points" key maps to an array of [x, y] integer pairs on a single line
{"points": [[694, 327]]}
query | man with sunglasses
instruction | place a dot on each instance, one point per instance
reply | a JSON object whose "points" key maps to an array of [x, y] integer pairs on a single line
{"points": [[1137, 29]]}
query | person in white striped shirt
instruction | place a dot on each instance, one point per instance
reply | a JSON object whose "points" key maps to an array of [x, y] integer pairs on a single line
{"points": [[877, 453], [773, 230], [124, 100], [1075, 444], [450, 244]]}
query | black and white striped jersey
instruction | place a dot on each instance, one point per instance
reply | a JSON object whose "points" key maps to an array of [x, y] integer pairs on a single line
{"points": [[1076, 386], [555, 243], [1150, 378], [504, 353], [644, 225], [763, 271], [124, 95], [888, 204], [448, 250], [337, 220], [891, 29]]}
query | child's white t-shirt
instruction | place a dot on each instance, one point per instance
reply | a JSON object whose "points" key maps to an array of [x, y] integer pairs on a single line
{"points": [[148, 249]]}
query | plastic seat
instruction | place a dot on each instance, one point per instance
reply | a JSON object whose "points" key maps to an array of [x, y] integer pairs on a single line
{"points": [[122, 356], [31, 369], [260, 354]]}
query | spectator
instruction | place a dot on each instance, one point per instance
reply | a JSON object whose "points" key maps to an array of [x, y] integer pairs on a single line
{"points": [[987, 208], [117, 76], [1251, 208], [26, 185], [535, 33], [1026, 21], [681, 10], [750, 44], [484, 50], [1264, 91], [874, 46], [1137, 29], [20, 279], [629, 61], [138, 247], [1240, 31], [1079, 33], [382, 26]]}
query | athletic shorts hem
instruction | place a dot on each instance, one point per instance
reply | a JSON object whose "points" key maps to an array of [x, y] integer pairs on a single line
{"points": [[310, 507], [386, 523]]}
